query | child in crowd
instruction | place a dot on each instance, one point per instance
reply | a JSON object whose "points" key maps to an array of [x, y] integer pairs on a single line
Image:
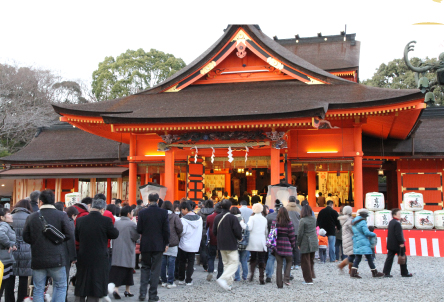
{"points": [[373, 242], [323, 244]]}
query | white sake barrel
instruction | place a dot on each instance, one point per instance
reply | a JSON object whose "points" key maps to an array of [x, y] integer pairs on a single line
{"points": [[424, 220], [413, 201], [382, 219], [374, 201], [407, 220], [370, 218], [439, 219]]}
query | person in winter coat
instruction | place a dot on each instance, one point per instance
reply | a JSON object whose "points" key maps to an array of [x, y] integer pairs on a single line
{"points": [[338, 244], [169, 257], [212, 245], [7, 247], [347, 238], [395, 245], [34, 197], [22, 256], [204, 212], [257, 226], [228, 232], [307, 243], [285, 244], [93, 232], [243, 253], [124, 253], [294, 211], [361, 245], [189, 242], [328, 220], [272, 216], [83, 210]]}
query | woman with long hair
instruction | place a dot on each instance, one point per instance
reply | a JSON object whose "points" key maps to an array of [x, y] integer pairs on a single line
{"points": [[7, 247], [22, 256], [347, 237], [307, 243], [257, 225], [286, 241]]}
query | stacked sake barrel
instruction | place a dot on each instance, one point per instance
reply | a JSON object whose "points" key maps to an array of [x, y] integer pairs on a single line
{"points": [[375, 203]]}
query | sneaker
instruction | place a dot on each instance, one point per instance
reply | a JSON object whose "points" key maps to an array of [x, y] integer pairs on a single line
{"points": [[170, 286], [181, 282], [291, 277], [210, 277], [268, 280], [222, 283], [296, 267], [164, 284], [388, 276], [408, 275], [292, 267], [190, 284], [307, 283]]}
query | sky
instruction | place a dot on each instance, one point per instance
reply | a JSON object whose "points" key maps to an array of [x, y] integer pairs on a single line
{"points": [[72, 37]]}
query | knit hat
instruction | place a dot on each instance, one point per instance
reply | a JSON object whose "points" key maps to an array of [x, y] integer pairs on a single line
{"points": [[347, 210], [363, 213], [322, 232]]}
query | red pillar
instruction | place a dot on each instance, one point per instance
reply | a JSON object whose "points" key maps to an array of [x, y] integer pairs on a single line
{"points": [[170, 179], [311, 184], [147, 176], [108, 190], [358, 185], [132, 185], [275, 166]]}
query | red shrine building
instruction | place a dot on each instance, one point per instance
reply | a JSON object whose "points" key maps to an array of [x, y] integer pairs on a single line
{"points": [[248, 112]]}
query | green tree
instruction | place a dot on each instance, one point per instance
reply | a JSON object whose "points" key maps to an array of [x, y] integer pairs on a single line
{"points": [[396, 75], [133, 71]]}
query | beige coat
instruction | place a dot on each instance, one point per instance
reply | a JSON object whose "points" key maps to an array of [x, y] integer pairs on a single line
{"points": [[347, 234], [257, 225]]}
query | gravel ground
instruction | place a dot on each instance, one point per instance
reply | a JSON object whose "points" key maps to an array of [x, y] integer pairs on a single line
{"points": [[329, 285]]}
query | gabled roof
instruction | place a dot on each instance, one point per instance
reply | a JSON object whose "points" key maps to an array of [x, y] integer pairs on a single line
{"points": [[61, 142], [241, 101]]}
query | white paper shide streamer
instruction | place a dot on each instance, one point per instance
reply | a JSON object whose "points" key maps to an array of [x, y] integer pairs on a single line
{"points": [[195, 155], [230, 155], [212, 156], [246, 153]]}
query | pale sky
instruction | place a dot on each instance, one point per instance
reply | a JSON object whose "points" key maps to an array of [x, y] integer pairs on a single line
{"points": [[72, 37]]}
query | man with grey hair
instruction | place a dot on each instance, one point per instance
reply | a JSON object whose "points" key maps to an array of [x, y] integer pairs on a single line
{"points": [[34, 197], [93, 232]]}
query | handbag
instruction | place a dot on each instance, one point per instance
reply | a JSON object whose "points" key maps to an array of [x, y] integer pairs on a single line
{"points": [[242, 245], [51, 232], [272, 238], [402, 258]]}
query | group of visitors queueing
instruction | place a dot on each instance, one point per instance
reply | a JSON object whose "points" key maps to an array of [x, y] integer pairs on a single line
{"points": [[43, 239]]}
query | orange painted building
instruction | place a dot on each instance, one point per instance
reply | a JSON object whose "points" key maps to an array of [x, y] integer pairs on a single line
{"points": [[282, 110]]}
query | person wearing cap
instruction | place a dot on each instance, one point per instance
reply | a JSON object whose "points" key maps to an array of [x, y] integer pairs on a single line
{"points": [[212, 246], [362, 245], [328, 220]]}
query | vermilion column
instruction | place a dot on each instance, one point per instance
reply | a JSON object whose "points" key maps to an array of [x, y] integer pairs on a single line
{"points": [[358, 185], [275, 166], [132, 185], [170, 180], [108, 190], [311, 184]]}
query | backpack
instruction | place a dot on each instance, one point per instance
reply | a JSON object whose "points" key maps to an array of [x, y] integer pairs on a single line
{"points": [[272, 238], [242, 245]]}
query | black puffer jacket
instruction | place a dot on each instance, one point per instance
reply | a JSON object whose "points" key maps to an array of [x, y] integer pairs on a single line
{"points": [[46, 254], [204, 213], [22, 256]]}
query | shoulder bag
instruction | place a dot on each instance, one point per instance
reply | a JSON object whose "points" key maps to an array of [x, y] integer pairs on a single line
{"points": [[51, 232], [272, 238], [401, 256]]}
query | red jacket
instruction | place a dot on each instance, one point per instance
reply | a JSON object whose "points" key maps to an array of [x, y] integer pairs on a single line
{"points": [[210, 222], [83, 211], [110, 215]]}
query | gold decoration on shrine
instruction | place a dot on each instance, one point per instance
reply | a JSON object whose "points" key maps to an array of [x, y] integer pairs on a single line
{"points": [[241, 35], [173, 89], [273, 62], [207, 68], [314, 81]]}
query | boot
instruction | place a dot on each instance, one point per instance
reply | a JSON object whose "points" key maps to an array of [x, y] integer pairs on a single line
{"points": [[375, 273], [354, 273], [343, 264], [350, 265], [262, 273], [253, 264]]}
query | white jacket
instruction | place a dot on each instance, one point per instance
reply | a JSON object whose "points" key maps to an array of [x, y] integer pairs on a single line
{"points": [[192, 233], [257, 225]]}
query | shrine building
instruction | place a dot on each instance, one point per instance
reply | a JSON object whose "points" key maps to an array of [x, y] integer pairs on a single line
{"points": [[249, 112]]}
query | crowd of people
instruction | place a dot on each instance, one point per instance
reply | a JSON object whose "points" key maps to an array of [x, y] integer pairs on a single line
{"points": [[42, 239]]}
